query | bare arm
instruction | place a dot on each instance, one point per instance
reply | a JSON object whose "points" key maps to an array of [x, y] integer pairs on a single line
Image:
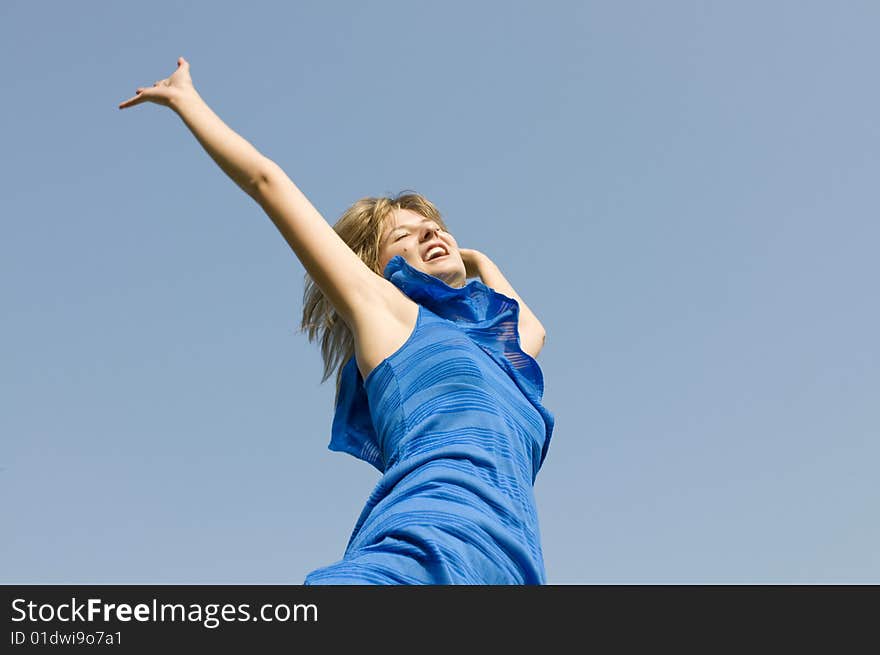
{"points": [[355, 291], [531, 331], [238, 158], [235, 155], [336, 269], [352, 288]]}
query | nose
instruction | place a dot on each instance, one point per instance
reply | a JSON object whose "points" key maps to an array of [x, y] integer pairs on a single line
{"points": [[429, 232]]}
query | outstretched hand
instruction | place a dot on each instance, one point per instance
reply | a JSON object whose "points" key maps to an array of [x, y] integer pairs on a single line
{"points": [[163, 92]]}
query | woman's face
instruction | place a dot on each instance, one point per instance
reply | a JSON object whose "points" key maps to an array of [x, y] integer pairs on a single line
{"points": [[416, 239]]}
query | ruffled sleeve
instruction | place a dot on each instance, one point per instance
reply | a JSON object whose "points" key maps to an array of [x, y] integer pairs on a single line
{"points": [[488, 317]]}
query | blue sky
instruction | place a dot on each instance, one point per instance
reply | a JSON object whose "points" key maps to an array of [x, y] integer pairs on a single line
{"points": [[685, 193]]}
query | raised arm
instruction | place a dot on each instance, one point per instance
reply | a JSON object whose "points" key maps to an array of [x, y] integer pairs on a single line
{"points": [[531, 332], [350, 286]]}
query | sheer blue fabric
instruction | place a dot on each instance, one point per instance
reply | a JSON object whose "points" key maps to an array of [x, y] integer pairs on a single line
{"points": [[454, 421]]}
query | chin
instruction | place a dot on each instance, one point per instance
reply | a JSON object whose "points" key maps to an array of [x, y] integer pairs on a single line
{"points": [[450, 269]]}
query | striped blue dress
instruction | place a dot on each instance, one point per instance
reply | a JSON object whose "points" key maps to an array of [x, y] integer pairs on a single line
{"points": [[454, 421]]}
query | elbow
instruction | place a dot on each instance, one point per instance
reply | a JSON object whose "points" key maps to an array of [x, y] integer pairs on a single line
{"points": [[540, 337], [532, 339], [267, 171]]}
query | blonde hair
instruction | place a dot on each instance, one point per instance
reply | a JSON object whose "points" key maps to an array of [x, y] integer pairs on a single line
{"points": [[360, 227]]}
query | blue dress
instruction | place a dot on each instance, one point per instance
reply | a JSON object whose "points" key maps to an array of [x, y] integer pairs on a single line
{"points": [[454, 421]]}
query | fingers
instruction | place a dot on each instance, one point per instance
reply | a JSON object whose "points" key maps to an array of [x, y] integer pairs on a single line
{"points": [[143, 93], [134, 100]]}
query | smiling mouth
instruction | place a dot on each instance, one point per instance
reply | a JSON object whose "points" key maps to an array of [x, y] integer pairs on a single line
{"points": [[443, 253]]}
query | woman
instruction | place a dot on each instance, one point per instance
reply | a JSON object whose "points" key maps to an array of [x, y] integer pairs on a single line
{"points": [[437, 385]]}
